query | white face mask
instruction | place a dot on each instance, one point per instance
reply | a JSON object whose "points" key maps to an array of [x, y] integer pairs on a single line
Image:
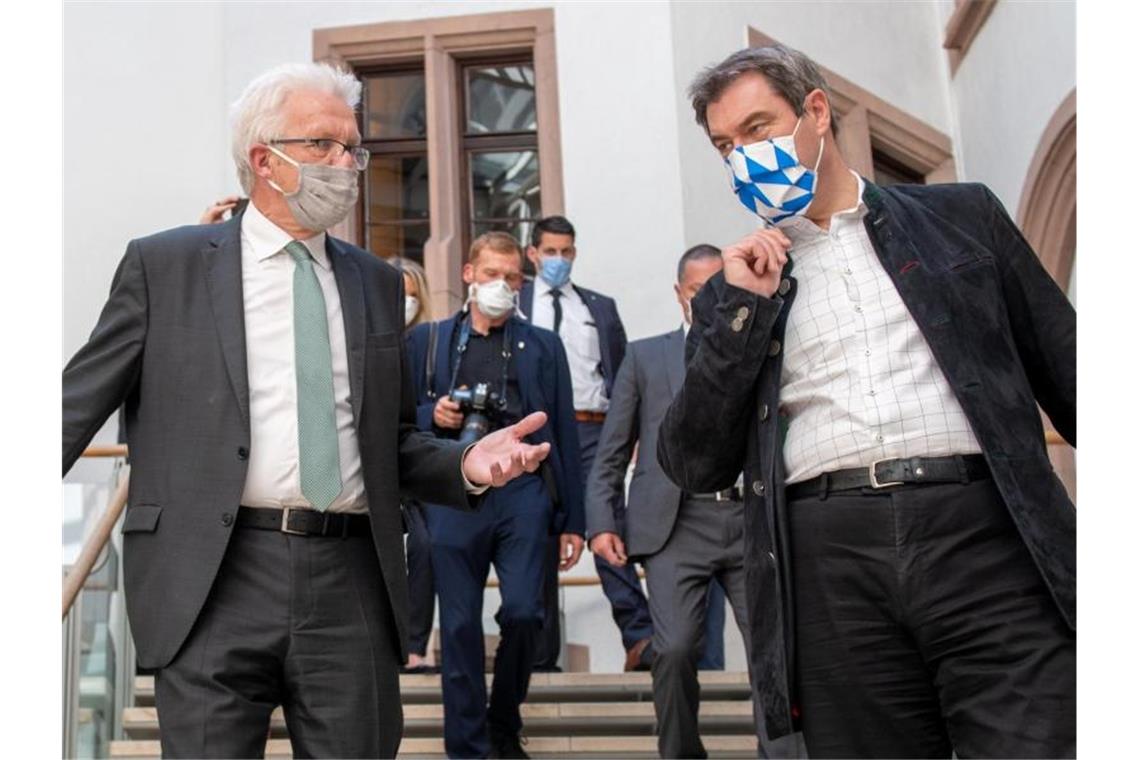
{"points": [[495, 298], [411, 309], [324, 195]]}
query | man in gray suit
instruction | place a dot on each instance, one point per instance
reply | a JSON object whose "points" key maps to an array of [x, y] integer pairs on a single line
{"points": [[684, 540], [271, 421]]}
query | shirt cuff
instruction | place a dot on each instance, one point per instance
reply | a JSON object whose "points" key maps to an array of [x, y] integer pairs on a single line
{"points": [[472, 489]]}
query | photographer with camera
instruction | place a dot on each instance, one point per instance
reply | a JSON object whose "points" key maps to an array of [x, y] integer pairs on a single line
{"points": [[474, 373]]}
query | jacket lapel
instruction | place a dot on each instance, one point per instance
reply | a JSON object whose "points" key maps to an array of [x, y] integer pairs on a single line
{"points": [[351, 289], [596, 314], [527, 365], [526, 301], [673, 348], [222, 259], [443, 355]]}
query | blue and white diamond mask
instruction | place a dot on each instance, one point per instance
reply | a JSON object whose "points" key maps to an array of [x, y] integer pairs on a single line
{"points": [[769, 179]]}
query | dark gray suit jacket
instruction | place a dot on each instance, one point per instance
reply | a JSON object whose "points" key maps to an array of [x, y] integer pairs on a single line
{"points": [[170, 347], [649, 376]]}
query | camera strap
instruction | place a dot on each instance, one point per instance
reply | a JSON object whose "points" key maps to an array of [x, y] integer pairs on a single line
{"points": [[461, 349], [433, 341]]}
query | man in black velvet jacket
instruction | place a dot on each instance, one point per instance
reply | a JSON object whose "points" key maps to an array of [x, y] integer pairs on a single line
{"points": [[911, 556]]}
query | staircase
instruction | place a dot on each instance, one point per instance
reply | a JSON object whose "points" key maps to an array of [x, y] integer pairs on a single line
{"points": [[579, 715]]}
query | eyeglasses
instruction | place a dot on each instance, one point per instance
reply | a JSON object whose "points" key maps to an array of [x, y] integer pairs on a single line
{"points": [[323, 147]]}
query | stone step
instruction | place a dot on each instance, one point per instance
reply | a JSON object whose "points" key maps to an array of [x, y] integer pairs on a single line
{"points": [[548, 719], [538, 746], [550, 687]]}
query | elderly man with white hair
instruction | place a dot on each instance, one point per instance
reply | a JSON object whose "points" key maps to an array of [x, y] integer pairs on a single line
{"points": [[272, 430]]}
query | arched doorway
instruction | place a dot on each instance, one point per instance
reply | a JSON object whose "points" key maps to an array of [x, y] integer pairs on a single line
{"points": [[1047, 216]]}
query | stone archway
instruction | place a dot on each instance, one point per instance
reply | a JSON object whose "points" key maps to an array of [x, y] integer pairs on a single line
{"points": [[1047, 216]]}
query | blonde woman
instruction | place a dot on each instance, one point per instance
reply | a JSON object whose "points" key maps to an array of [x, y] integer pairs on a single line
{"points": [[421, 582], [417, 297]]}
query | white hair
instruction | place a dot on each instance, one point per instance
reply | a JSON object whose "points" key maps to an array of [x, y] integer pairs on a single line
{"points": [[256, 116]]}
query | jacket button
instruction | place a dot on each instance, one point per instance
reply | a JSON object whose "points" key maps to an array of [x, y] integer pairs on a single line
{"points": [[737, 325], [763, 412], [757, 488], [785, 286], [742, 313], [227, 519], [772, 558], [774, 348], [243, 453]]}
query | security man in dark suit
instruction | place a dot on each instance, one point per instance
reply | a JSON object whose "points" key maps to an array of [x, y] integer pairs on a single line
{"points": [[691, 544], [594, 337], [269, 413], [484, 366]]}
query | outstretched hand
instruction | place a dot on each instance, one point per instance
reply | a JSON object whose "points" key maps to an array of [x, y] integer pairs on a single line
{"points": [[502, 456]]}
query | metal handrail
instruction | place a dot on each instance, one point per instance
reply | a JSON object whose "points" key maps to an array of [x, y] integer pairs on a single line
{"points": [[78, 573]]}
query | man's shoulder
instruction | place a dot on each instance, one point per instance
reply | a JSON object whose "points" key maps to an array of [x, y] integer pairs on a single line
{"points": [[652, 343], [547, 339], [948, 196], [593, 295], [421, 331], [189, 238], [370, 264]]}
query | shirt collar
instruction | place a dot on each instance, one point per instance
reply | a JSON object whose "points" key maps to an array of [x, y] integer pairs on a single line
{"points": [[264, 238], [542, 287], [800, 227]]}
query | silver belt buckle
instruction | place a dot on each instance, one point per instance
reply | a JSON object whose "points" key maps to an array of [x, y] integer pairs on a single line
{"points": [[285, 523], [875, 481]]}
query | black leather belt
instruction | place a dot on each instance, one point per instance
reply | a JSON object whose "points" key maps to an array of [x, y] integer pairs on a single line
{"points": [[304, 522], [736, 493], [894, 472]]}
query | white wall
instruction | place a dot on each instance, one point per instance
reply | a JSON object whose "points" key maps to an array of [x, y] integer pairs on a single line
{"points": [[141, 135], [892, 49], [142, 130], [1018, 70]]}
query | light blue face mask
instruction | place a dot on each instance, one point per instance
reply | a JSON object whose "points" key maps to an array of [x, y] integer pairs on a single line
{"points": [[555, 270]]}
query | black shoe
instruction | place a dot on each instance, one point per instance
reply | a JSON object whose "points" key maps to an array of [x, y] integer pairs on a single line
{"points": [[640, 656], [418, 670], [506, 745], [546, 669]]}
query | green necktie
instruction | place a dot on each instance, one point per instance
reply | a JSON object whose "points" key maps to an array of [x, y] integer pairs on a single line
{"points": [[316, 411]]}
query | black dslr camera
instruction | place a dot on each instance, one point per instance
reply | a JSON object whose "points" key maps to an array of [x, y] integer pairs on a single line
{"points": [[482, 411]]}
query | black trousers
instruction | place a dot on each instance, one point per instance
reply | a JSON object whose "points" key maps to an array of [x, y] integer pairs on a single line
{"points": [[421, 581], [297, 621], [924, 628]]}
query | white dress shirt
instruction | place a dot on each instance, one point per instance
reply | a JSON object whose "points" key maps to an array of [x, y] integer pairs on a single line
{"points": [[274, 475], [859, 381], [580, 337]]}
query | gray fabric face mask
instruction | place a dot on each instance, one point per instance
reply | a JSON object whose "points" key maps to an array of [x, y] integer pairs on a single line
{"points": [[324, 195]]}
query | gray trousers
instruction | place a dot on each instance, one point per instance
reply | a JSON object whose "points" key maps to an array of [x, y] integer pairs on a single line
{"points": [[298, 621], [707, 541]]}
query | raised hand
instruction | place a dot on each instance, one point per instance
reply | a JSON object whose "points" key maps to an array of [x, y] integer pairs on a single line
{"points": [[755, 262], [216, 211], [502, 456]]}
